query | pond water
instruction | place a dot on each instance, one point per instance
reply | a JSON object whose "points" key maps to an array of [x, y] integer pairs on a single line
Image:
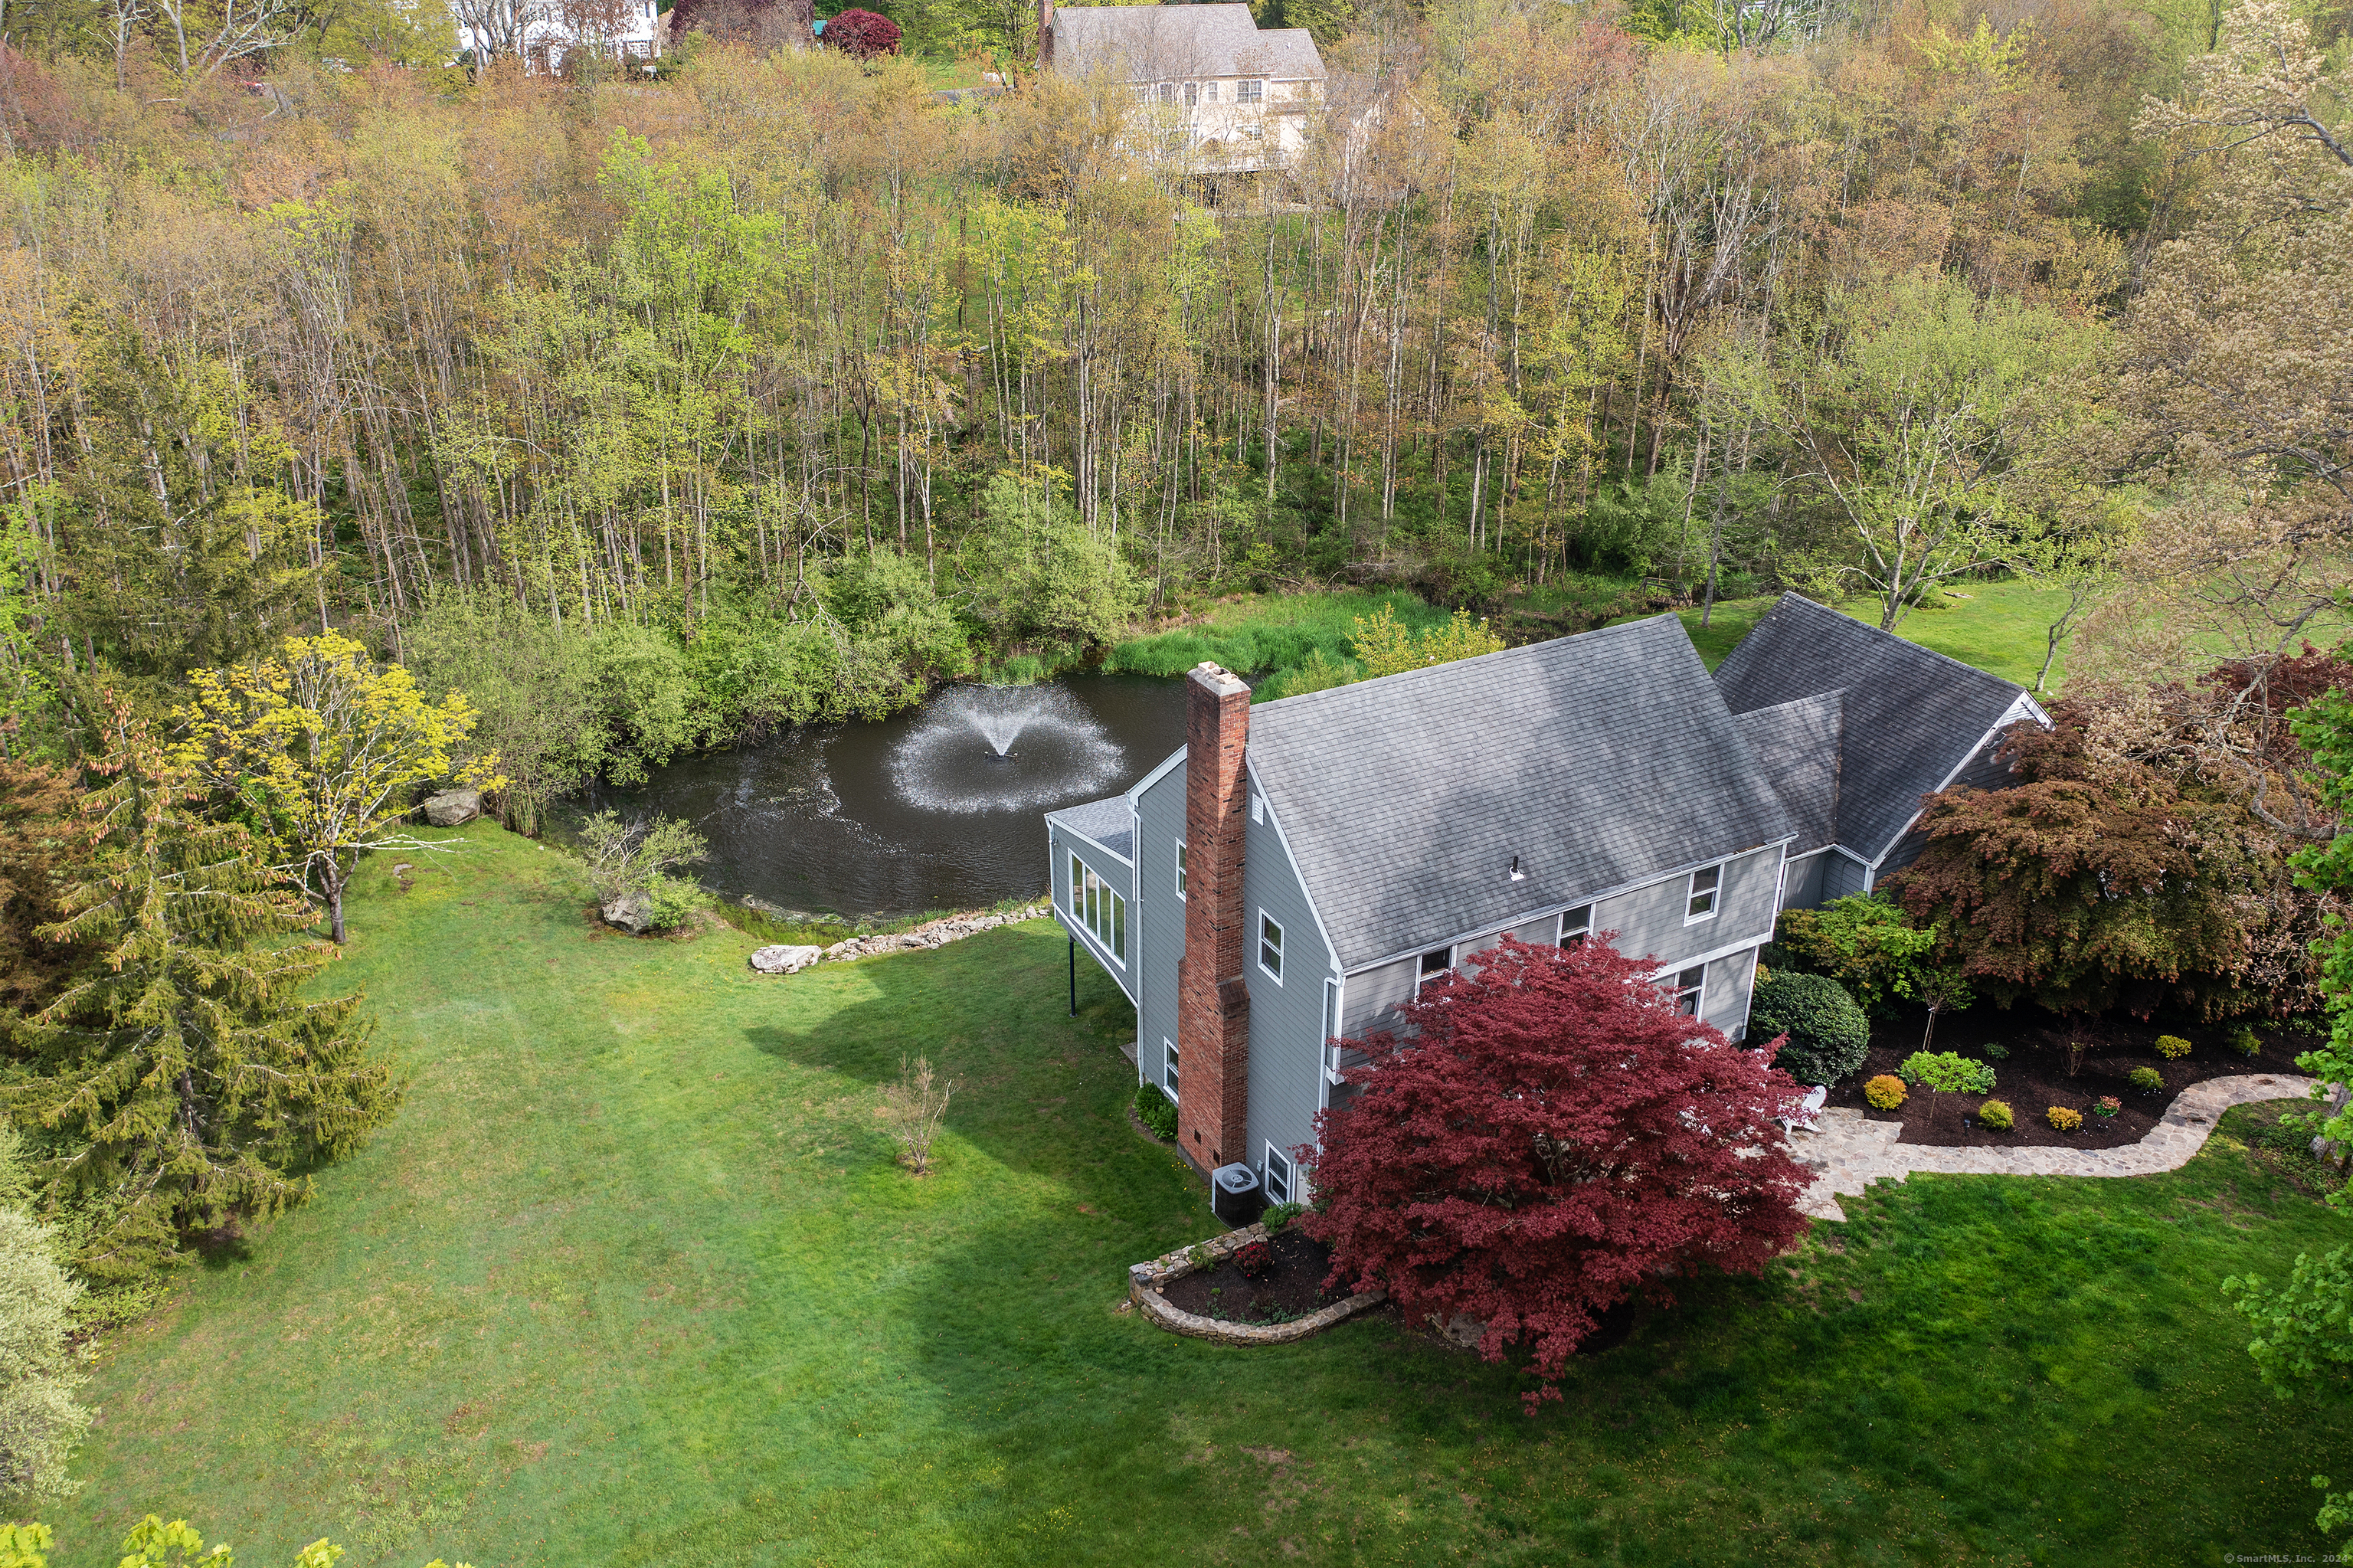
{"points": [[936, 808]]}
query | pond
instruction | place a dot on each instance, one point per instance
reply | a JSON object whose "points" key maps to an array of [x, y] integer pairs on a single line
{"points": [[936, 808]]}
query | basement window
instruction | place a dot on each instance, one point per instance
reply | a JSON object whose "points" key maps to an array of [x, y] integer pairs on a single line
{"points": [[1700, 903], [1278, 1175], [1269, 947], [1576, 924]]}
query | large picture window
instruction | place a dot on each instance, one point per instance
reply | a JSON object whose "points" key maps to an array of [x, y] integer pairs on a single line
{"points": [[1099, 909]]}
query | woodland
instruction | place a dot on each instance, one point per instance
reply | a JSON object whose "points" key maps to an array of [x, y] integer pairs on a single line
{"points": [[377, 417]]}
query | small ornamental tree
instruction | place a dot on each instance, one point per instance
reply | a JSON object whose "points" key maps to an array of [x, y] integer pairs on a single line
{"points": [[1551, 1137], [862, 34]]}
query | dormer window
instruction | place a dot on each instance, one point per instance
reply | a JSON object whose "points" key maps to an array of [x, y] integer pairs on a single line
{"points": [[1700, 898]]}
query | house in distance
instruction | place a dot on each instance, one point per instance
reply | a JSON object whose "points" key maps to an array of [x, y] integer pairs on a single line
{"points": [[1218, 93], [1299, 869]]}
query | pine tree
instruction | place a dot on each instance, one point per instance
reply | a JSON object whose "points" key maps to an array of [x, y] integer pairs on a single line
{"points": [[192, 1082]]}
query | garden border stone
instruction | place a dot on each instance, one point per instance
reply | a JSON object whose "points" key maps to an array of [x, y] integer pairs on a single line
{"points": [[1145, 1280], [1851, 1151], [934, 934]]}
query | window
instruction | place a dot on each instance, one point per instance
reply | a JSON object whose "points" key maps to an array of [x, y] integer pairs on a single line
{"points": [[1168, 1071], [1208, 93], [1180, 868], [1192, 94], [1576, 924], [1249, 92], [1705, 885], [1278, 1175], [1270, 946], [1099, 909], [1435, 965], [1688, 986], [1167, 92]]}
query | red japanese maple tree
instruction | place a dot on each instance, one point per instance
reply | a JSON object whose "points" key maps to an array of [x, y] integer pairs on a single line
{"points": [[1549, 1136], [863, 34]]}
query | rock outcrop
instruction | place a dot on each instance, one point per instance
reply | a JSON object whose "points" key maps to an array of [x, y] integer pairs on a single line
{"points": [[452, 808], [781, 960]]}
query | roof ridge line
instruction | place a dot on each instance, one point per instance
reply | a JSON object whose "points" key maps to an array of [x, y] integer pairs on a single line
{"points": [[1456, 664]]}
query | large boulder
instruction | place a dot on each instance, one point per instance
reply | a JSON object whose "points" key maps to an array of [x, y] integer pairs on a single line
{"points": [[630, 912], [453, 807], [782, 960]]}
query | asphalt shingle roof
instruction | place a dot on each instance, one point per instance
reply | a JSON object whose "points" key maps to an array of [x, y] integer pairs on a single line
{"points": [[1179, 43], [1798, 746], [1599, 760], [1910, 716], [1108, 821]]}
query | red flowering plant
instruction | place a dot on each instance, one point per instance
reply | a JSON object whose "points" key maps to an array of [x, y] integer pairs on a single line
{"points": [[1253, 1258], [1549, 1136]]}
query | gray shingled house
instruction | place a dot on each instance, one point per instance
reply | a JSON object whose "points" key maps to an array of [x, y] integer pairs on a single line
{"points": [[1299, 868]]}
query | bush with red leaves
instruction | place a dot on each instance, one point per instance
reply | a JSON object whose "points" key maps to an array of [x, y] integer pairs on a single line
{"points": [[1554, 1137], [863, 34], [1253, 1258]]}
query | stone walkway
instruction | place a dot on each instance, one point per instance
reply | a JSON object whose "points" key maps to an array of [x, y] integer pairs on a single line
{"points": [[1852, 1151]]}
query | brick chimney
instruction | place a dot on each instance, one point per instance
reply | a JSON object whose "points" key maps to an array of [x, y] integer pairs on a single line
{"points": [[1045, 33], [1212, 999]]}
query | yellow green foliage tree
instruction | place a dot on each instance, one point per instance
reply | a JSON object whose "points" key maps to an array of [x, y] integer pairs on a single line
{"points": [[324, 747], [153, 1544]]}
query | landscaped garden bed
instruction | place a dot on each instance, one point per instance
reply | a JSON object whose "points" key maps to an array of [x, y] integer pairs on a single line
{"points": [[2033, 1076], [1288, 1287]]}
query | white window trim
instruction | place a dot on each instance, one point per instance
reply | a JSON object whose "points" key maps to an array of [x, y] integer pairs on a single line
{"points": [[1690, 891], [1281, 936], [1698, 1014], [1167, 1055], [1560, 931], [1258, 808], [1290, 1168], [1180, 869]]}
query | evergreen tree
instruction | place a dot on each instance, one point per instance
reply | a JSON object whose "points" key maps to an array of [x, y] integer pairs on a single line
{"points": [[192, 1082]]}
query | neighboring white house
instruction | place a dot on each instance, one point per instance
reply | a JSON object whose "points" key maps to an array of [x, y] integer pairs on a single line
{"points": [[542, 32], [1222, 92]]}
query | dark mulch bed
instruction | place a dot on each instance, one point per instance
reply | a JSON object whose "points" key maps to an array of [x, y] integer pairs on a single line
{"points": [[1292, 1289], [2033, 1076]]}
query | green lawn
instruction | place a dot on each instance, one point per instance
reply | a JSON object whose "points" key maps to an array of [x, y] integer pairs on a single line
{"points": [[1999, 627], [633, 1279]]}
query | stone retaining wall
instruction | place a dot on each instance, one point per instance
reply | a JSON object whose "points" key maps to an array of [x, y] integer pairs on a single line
{"points": [[937, 934], [1145, 1280]]}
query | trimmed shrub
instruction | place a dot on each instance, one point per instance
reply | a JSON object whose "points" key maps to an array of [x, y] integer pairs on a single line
{"points": [[1947, 1073], [2245, 1041], [1995, 1115], [1828, 1035], [2172, 1047], [2062, 1118], [1883, 1092], [863, 34], [2147, 1080], [1155, 1111]]}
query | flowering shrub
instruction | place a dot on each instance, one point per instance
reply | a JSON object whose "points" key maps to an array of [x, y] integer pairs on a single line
{"points": [[2062, 1118], [1943, 1070], [1995, 1115], [2147, 1080], [2107, 1106], [2172, 1047], [1253, 1258], [1883, 1092]]}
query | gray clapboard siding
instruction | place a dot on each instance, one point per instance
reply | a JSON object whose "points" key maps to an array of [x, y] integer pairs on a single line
{"points": [[1286, 1018], [1648, 920], [1160, 823], [1730, 982], [1841, 876], [1802, 887]]}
